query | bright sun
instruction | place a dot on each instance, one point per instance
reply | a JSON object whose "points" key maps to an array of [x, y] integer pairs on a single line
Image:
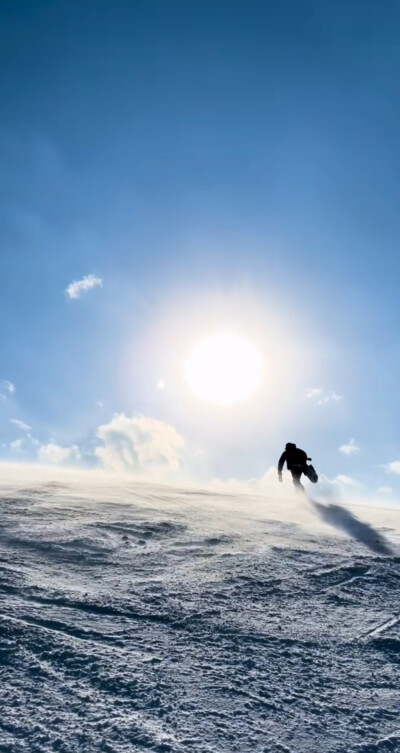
{"points": [[223, 369]]}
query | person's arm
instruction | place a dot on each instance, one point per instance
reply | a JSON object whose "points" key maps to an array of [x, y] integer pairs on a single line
{"points": [[281, 463]]}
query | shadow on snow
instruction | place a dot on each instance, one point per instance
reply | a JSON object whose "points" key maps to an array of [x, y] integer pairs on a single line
{"points": [[366, 534]]}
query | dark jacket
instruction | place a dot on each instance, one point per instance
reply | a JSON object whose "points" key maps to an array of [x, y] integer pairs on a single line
{"points": [[295, 459]]}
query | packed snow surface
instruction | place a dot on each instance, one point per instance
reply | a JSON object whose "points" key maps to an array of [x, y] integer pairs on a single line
{"points": [[137, 617]]}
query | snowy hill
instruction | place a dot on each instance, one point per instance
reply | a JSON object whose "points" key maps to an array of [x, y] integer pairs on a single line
{"points": [[137, 617]]}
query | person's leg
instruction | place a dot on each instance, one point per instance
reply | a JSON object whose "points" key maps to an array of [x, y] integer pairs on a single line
{"points": [[296, 476]]}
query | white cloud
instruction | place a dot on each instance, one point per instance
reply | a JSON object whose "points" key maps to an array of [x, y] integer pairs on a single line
{"points": [[321, 397], [6, 388], [100, 403], [56, 455], [348, 481], [76, 288], [385, 490], [330, 397], [349, 449], [313, 392], [27, 445], [18, 445], [141, 445], [20, 424], [393, 467]]}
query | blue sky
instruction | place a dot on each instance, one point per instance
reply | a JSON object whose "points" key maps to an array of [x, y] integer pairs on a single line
{"points": [[212, 163]]}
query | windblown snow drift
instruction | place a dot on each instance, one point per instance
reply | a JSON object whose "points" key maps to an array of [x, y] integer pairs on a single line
{"points": [[145, 618]]}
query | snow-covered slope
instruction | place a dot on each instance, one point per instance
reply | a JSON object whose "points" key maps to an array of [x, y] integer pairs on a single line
{"points": [[137, 617]]}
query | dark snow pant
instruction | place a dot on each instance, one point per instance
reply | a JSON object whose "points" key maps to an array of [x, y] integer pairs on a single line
{"points": [[296, 476]]}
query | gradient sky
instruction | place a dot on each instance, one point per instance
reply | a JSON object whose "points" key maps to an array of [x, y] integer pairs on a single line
{"points": [[215, 164]]}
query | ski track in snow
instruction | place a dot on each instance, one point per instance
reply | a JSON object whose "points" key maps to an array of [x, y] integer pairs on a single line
{"points": [[166, 620]]}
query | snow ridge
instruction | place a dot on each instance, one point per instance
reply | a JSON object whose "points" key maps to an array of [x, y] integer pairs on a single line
{"points": [[154, 619]]}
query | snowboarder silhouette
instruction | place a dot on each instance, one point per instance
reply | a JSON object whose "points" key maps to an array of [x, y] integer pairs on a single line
{"points": [[296, 461]]}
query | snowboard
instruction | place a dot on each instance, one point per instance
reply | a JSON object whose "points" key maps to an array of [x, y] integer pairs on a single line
{"points": [[311, 474]]}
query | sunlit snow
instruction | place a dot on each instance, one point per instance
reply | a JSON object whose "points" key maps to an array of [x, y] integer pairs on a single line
{"points": [[137, 617]]}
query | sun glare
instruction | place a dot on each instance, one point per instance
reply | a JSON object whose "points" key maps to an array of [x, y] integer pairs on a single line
{"points": [[223, 369]]}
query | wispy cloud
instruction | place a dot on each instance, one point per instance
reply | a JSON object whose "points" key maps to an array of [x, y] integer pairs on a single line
{"points": [[7, 388], [321, 397], [76, 288], [348, 481], [349, 449], [330, 397], [20, 424], [27, 445], [18, 445], [313, 392]]}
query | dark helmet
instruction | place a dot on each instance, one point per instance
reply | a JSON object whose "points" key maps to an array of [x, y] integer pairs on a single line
{"points": [[290, 446]]}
